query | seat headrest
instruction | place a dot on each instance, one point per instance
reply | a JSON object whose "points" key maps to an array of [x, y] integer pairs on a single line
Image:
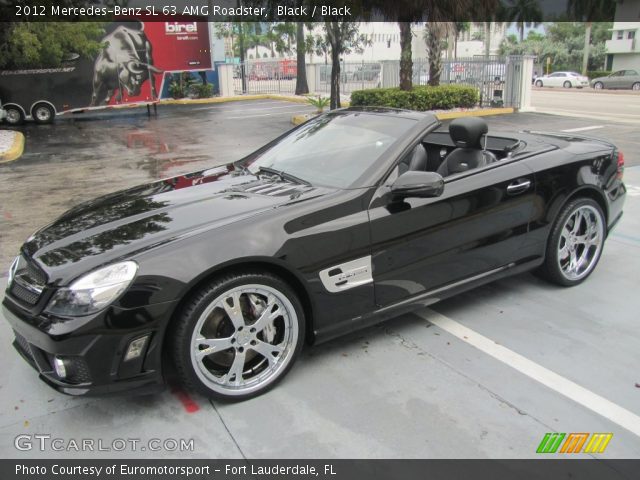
{"points": [[467, 132]]}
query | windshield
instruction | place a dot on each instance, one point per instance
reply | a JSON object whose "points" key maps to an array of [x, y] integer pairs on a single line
{"points": [[333, 150]]}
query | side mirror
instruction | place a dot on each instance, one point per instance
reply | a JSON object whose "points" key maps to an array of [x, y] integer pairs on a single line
{"points": [[418, 184]]}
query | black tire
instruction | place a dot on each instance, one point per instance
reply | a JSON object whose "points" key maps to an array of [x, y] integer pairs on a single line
{"points": [[636, 86], [551, 269], [182, 336], [539, 83], [43, 113], [13, 115], [598, 86], [567, 84]]}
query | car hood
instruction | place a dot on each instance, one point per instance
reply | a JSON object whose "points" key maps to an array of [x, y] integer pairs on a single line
{"points": [[123, 223]]}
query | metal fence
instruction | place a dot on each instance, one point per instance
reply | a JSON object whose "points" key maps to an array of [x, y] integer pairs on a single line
{"points": [[265, 76], [498, 79]]}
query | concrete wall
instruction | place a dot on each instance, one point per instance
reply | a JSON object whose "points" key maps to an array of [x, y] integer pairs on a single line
{"points": [[625, 61]]}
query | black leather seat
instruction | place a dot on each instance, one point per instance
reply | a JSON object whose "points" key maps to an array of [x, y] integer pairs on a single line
{"points": [[467, 134], [419, 159]]}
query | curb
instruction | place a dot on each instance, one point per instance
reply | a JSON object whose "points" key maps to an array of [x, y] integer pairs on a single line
{"points": [[298, 119], [15, 151], [475, 113]]}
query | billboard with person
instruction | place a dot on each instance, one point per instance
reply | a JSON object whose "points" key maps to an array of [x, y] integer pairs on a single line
{"points": [[128, 69]]}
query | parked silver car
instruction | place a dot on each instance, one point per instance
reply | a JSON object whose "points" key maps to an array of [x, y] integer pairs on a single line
{"points": [[620, 79], [562, 79]]}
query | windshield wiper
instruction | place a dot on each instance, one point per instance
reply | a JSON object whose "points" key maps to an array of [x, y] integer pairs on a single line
{"points": [[284, 175]]}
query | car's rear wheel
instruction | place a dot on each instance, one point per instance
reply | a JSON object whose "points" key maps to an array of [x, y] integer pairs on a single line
{"points": [[598, 85], [635, 86], [567, 84], [575, 244], [538, 83], [13, 115], [238, 336]]}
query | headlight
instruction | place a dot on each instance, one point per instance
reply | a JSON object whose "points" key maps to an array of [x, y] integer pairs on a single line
{"points": [[94, 291], [12, 270]]}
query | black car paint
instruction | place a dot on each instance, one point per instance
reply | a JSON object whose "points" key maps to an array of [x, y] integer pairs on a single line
{"points": [[423, 249]]}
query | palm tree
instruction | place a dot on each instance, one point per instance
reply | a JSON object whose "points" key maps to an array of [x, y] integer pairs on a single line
{"points": [[301, 71], [589, 11], [434, 35], [524, 13]]}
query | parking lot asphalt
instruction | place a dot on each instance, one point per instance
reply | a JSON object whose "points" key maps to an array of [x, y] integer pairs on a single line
{"points": [[483, 375]]}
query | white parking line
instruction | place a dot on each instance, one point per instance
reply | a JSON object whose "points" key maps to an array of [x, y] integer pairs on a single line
{"points": [[594, 402], [582, 129]]}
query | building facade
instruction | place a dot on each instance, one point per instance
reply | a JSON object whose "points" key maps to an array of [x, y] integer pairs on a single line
{"points": [[623, 50]]}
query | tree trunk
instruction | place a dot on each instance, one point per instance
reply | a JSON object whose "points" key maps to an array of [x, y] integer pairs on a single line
{"points": [[335, 40], [335, 79], [435, 32], [451, 31], [301, 68], [585, 54], [243, 67], [406, 64], [487, 39], [521, 32]]}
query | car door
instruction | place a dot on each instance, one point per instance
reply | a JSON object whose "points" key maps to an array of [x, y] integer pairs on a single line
{"points": [[474, 227], [615, 80], [631, 77], [557, 79]]}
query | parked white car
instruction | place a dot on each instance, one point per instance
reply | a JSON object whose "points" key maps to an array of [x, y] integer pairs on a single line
{"points": [[562, 79]]}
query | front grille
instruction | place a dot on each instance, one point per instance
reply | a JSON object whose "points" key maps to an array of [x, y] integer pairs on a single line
{"points": [[28, 282], [24, 295]]}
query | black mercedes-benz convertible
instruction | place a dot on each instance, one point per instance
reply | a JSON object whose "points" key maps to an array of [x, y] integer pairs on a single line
{"points": [[352, 218]]}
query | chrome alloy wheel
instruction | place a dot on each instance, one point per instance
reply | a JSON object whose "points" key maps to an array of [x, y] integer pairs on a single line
{"points": [[580, 242], [244, 339]]}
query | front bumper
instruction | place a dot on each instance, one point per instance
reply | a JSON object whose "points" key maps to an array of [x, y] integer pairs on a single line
{"points": [[95, 351]]}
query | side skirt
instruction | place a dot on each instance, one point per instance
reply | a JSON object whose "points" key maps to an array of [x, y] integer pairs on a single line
{"points": [[423, 299]]}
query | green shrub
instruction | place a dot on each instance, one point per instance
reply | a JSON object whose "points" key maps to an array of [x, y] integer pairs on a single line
{"points": [[176, 90], [443, 97], [597, 73], [320, 102], [201, 90]]}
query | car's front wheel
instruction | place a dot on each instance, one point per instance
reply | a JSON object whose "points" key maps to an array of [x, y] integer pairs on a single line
{"points": [[635, 86], [238, 336], [575, 243], [538, 83], [598, 85]]}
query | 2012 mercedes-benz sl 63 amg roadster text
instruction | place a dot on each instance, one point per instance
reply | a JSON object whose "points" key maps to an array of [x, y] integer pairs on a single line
{"points": [[354, 217]]}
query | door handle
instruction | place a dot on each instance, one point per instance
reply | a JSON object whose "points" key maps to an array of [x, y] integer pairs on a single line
{"points": [[518, 186]]}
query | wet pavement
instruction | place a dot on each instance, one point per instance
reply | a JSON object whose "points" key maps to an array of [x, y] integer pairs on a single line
{"points": [[410, 388]]}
